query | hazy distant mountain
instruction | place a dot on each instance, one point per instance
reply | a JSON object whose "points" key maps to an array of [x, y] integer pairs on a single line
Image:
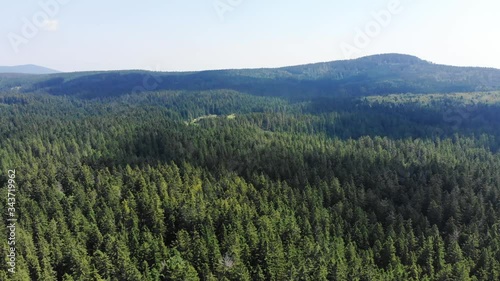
{"points": [[27, 69], [373, 75]]}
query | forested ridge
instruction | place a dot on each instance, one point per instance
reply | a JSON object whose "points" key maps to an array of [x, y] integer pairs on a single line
{"points": [[226, 185], [373, 75]]}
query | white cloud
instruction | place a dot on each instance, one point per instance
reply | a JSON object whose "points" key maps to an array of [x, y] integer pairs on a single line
{"points": [[50, 25]]}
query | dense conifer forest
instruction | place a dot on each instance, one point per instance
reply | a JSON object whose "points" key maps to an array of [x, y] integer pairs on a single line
{"points": [[226, 184]]}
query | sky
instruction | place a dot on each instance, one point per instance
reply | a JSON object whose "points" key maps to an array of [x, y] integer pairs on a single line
{"points": [[182, 35]]}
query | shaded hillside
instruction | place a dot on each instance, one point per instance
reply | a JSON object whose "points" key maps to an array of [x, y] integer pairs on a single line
{"points": [[374, 75]]}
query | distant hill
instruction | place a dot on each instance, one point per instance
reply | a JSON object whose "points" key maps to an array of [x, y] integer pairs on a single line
{"points": [[373, 75], [27, 69]]}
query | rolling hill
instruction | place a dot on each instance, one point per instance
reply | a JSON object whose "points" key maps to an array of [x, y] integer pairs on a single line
{"points": [[373, 75], [27, 69]]}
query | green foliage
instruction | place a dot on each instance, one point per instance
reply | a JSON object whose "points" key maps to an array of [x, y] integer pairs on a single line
{"points": [[311, 189]]}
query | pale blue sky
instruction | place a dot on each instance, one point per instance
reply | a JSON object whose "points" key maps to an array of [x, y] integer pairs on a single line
{"points": [[191, 35]]}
